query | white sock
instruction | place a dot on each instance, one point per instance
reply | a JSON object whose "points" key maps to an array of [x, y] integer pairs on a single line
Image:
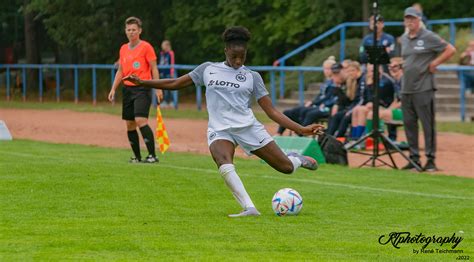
{"points": [[295, 161], [235, 185]]}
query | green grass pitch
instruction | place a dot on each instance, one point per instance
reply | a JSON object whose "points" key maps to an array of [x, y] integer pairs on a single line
{"points": [[78, 202]]}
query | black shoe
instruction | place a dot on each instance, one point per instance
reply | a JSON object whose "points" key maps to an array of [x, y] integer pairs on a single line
{"points": [[134, 160], [430, 166], [410, 166], [150, 160]]}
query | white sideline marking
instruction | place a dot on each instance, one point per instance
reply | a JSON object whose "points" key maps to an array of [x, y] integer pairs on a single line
{"points": [[214, 171], [366, 188], [377, 189]]}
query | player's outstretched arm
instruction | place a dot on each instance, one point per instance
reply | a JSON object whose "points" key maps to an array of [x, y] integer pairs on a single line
{"points": [[266, 104], [167, 84]]}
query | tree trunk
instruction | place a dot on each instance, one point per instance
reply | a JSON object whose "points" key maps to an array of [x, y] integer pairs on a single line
{"points": [[31, 47], [66, 56], [365, 15]]}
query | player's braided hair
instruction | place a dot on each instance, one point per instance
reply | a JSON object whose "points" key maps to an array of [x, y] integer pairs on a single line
{"points": [[236, 35]]}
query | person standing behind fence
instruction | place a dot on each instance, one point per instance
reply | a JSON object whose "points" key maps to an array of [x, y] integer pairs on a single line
{"points": [[136, 57], [467, 58], [167, 58], [383, 39], [422, 51]]}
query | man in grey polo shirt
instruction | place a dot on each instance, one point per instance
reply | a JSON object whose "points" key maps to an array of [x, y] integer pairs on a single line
{"points": [[422, 51]]}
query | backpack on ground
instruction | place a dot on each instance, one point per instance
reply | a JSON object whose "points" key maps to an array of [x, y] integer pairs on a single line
{"points": [[333, 150]]}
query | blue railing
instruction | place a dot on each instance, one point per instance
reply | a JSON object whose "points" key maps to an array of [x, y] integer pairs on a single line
{"points": [[94, 67], [342, 28], [271, 70], [75, 67], [462, 85]]}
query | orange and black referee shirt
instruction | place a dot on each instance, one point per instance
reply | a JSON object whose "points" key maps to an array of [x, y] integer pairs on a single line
{"points": [[137, 60]]}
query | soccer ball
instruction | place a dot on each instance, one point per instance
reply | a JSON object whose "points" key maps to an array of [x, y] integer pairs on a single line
{"points": [[287, 201]]}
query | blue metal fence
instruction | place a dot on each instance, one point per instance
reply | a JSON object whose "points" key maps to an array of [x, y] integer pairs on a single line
{"points": [[94, 67], [342, 28], [75, 68], [271, 70], [278, 67]]}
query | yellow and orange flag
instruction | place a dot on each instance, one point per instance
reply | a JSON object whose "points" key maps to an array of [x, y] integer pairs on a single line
{"points": [[161, 134]]}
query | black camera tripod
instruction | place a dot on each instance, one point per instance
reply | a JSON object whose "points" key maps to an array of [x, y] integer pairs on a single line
{"points": [[378, 56]]}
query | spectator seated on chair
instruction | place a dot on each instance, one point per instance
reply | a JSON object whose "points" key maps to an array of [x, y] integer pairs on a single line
{"points": [[320, 106], [386, 100], [347, 100], [395, 69], [348, 97]]}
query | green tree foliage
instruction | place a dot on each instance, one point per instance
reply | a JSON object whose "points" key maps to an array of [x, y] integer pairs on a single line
{"points": [[276, 26], [93, 30]]}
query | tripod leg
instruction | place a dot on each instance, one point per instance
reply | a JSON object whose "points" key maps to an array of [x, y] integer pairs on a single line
{"points": [[387, 145], [393, 145], [367, 161], [385, 163]]}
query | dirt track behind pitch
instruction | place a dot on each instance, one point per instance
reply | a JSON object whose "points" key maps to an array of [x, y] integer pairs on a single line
{"points": [[455, 151]]}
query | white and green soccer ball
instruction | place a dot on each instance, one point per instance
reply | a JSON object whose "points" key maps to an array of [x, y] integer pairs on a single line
{"points": [[287, 202]]}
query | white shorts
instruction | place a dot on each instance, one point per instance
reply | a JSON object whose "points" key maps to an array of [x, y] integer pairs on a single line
{"points": [[249, 138]]}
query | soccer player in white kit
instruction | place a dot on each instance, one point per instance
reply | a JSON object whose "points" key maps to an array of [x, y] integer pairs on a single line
{"points": [[229, 89]]}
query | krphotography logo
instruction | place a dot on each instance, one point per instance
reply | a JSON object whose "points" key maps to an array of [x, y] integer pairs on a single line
{"points": [[398, 239]]}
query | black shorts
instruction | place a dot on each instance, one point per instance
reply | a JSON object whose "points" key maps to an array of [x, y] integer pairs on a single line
{"points": [[136, 102]]}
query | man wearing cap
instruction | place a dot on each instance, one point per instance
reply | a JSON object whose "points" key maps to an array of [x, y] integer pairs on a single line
{"points": [[422, 51], [383, 39]]}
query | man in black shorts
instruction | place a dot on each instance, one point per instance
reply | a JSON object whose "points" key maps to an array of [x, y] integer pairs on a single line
{"points": [[137, 57]]}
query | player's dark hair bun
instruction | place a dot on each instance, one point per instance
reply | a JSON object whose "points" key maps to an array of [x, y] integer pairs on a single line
{"points": [[236, 34]]}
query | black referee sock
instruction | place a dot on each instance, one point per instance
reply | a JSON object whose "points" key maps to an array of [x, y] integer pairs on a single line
{"points": [[149, 139], [134, 143]]}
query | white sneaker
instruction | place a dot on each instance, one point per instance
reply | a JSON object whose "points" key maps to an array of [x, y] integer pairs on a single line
{"points": [[150, 159], [251, 211]]}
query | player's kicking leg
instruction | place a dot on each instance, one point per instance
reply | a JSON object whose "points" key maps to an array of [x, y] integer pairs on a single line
{"points": [[287, 164]]}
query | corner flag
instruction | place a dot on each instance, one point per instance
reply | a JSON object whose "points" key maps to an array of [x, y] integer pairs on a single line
{"points": [[161, 134]]}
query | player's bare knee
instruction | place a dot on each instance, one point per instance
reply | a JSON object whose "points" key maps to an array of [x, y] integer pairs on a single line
{"points": [[287, 170], [141, 122], [285, 167], [131, 125], [221, 160]]}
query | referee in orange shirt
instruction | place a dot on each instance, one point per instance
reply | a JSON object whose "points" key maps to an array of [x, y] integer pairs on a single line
{"points": [[137, 57]]}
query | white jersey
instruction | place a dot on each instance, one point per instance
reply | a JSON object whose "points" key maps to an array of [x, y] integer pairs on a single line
{"points": [[228, 94]]}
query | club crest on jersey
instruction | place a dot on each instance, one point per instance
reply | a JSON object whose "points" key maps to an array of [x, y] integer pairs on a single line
{"points": [[420, 45], [221, 84], [212, 135], [136, 64], [240, 77]]}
